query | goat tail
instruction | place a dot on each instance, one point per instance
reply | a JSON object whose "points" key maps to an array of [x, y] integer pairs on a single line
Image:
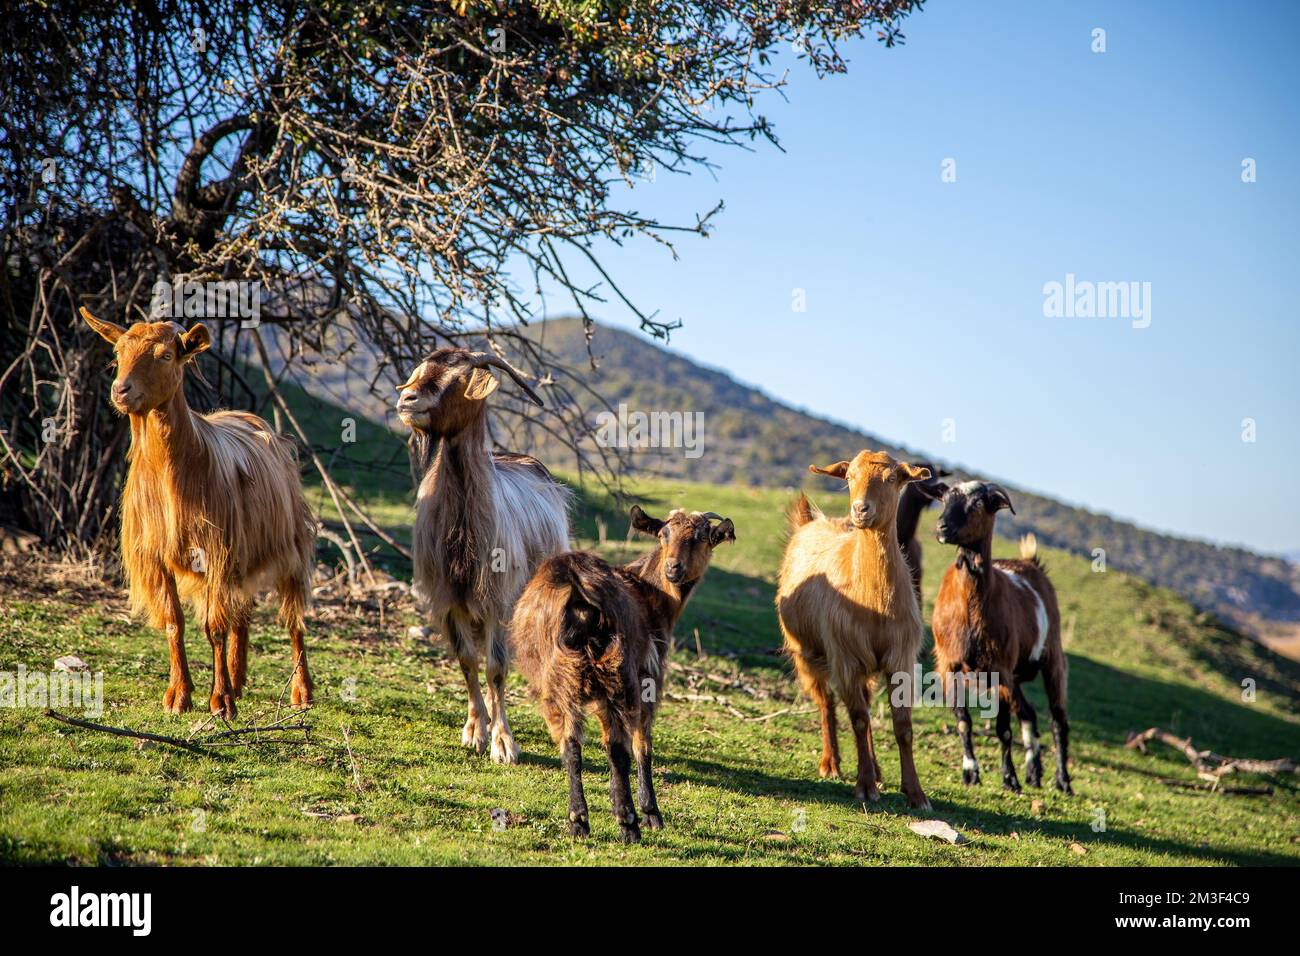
{"points": [[801, 512], [1029, 547]]}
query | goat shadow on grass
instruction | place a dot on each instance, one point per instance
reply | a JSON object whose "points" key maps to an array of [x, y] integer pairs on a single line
{"points": [[1106, 704], [832, 794]]}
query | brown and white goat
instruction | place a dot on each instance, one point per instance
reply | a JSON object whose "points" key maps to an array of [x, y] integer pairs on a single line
{"points": [[849, 615], [916, 497], [589, 635], [999, 618], [483, 524], [212, 511]]}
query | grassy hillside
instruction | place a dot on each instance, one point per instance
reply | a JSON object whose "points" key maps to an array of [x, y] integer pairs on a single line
{"points": [[736, 747]]}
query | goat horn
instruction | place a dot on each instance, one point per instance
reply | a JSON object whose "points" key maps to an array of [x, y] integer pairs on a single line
{"points": [[487, 358], [711, 515]]}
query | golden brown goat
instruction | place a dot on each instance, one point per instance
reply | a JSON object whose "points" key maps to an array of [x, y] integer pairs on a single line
{"points": [[591, 635], [212, 511], [999, 618], [848, 612]]}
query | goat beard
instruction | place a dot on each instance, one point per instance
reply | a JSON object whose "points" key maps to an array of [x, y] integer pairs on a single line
{"points": [[420, 448]]}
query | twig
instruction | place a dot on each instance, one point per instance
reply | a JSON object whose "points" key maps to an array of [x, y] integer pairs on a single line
{"points": [[777, 713], [356, 777], [1211, 767], [126, 732]]}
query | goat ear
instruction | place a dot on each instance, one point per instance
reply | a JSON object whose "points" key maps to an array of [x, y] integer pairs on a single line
{"points": [[934, 490], [110, 332], [724, 530], [998, 498], [907, 472], [837, 470], [482, 383], [196, 340], [644, 523]]}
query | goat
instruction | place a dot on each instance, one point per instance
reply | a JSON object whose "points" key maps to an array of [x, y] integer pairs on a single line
{"points": [[212, 510], [999, 618], [916, 497], [848, 613], [591, 635], [483, 524]]}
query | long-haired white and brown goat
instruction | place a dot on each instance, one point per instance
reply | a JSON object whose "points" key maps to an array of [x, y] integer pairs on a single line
{"points": [[212, 511], [999, 618], [590, 635], [849, 615], [483, 524]]}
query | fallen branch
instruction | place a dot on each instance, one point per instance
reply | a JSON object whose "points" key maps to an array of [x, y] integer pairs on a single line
{"points": [[194, 745], [1211, 767], [126, 732]]}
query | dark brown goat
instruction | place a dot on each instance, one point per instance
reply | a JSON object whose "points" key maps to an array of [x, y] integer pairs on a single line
{"points": [[590, 635], [999, 618], [916, 497]]}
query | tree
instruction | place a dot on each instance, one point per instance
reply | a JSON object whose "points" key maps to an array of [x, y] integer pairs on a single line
{"points": [[408, 173]]}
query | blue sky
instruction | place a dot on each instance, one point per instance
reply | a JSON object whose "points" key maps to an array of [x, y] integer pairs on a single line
{"points": [[925, 298]]}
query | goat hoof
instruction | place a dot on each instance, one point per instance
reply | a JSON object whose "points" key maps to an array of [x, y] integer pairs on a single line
{"points": [[829, 769], [919, 801], [970, 778], [474, 735], [653, 820], [579, 827], [176, 700], [223, 705], [504, 748], [863, 795], [1064, 787], [1013, 785], [629, 834]]}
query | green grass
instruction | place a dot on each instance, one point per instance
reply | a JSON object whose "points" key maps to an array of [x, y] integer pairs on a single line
{"points": [[733, 790]]}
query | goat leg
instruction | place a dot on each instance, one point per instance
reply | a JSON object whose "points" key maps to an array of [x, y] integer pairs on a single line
{"points": [[866, 788], [970, 767], [902, 714], [223, 699], [1009, 779], [620, 787], [504, 748], [176, 700], [815, 686], [645, 787], [571, 757], [1028, 718], [475, 732], [237, 656], [1054, 684]]}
